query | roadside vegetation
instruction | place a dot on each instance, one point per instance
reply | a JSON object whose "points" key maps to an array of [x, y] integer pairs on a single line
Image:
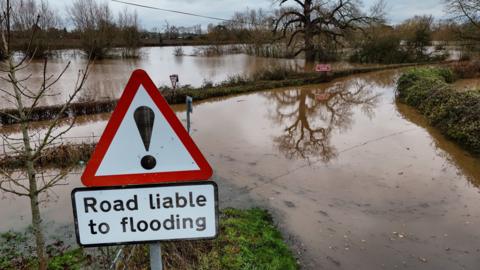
{"points": [[248, 239], [456, 114]]}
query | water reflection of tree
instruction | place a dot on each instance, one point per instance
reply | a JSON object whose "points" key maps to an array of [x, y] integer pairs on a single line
{"points": [[311, 115]]}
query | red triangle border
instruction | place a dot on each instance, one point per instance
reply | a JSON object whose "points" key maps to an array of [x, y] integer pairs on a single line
{"points": [[140, 77]]}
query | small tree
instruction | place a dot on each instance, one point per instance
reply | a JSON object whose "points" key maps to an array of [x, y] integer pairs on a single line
{"points": [[254, 28], [417, 32], [95, 23], [130, 32], [378, 44], [31, 146]]}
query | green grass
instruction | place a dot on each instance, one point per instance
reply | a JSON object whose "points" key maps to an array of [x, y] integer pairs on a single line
{"points": [[248, 239], [17, 252], [455, 114]]}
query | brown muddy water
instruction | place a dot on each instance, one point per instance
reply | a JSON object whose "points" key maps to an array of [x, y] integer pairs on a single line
{"points": [[467, 84], [354, 180]]}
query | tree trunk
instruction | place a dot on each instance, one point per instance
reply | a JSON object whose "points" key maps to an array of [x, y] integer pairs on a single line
{"points": [[32, 180], [36, 219], [309, 53], [308, 35]]}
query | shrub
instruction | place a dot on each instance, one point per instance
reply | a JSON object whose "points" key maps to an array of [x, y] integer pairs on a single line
{"points": [[455, 114], [275, 73], [464, 70], [178, 51], [384, 50]]}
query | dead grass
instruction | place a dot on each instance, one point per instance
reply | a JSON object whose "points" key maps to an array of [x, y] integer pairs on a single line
{"points": [[466, 69], [61, 156]]}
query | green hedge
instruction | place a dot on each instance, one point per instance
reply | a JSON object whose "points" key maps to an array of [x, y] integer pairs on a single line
{"points": [[455, 114]]}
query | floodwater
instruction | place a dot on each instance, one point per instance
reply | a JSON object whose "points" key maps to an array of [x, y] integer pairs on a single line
{"points": [[354, 180], [108, 77], [467, 84]]}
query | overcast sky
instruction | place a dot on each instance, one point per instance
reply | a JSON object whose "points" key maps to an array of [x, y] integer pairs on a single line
{"points": [[397, 10]]}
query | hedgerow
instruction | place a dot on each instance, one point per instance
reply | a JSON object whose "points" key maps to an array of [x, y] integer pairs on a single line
{"points": [[456, 114]]}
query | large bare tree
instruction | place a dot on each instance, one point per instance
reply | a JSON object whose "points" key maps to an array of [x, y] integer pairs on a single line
{"points": [[30, 145], [321, 21]]}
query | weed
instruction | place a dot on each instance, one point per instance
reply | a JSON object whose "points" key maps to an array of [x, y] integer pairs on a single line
{"points": [[18, 252]]}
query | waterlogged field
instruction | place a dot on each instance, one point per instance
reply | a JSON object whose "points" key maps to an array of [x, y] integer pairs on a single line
{"points": [[353, 179]]}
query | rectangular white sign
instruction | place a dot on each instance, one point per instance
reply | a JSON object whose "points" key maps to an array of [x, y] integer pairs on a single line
{"points": [[138, 214]]}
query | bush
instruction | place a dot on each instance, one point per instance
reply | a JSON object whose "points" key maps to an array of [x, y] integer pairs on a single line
{"points": [[275, 73], [455, 114], [465, 70], [384, 50], [178, 51], [234, 80], [423, 79]]}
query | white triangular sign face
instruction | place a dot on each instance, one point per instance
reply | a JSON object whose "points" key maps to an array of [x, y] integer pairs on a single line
{"points": [[127, 149], [144, 142]]}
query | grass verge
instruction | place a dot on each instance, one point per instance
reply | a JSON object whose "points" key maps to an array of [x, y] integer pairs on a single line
{"points": [[248, 239], [455, 114]]}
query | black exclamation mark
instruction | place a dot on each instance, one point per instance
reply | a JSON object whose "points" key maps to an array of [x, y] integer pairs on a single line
{"points": [[144, 118]]}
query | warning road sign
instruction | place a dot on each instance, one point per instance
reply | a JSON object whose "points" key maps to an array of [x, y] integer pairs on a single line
{"points": [[144, 142]]}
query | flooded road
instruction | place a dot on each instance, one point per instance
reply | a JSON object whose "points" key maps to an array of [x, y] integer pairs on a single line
{"points": [[354, 180]]}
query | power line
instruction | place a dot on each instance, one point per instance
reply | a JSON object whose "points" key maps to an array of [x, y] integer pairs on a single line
{"points": [[173, 11], [188, 13]]}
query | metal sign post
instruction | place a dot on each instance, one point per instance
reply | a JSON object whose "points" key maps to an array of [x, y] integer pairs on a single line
{"points": [[156, 262], [174, 80], [189, 101]]}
